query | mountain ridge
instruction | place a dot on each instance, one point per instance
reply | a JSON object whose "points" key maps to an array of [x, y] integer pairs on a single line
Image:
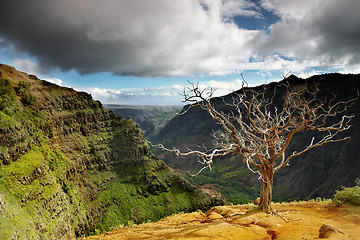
{"points": [[318, 173], [150, 118]]}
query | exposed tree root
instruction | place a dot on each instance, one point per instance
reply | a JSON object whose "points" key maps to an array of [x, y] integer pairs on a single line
{"points": [[275, 213]]}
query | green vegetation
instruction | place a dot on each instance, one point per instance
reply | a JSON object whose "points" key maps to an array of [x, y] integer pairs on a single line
{"points": [[228, 176], [348, 195], [226, 181], [70, 168], [27, 187], [22, 127], [144, 188], [7, 97], [22, 89], [135, 204]]}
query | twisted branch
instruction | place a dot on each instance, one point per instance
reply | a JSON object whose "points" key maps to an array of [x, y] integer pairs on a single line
{"points": [[260, 130]]}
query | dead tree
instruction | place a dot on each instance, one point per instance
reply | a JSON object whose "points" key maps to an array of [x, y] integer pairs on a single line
{"points": [[260, 130]]}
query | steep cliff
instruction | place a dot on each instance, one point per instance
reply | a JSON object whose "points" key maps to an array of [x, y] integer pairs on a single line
{"points": [[318, 173], [69, 168]]}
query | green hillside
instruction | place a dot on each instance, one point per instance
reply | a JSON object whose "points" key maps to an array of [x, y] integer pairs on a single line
{"points": [[70, 168]]}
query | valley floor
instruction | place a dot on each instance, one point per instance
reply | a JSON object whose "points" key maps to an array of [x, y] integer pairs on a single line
{"points": [[298, 221]]}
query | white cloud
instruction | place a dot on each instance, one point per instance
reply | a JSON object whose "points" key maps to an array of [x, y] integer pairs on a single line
{"points": [[222, 87], [177, 87], [104, 95], [28, 66], [353, 70], [158, 95], [152, 95], [321, 32], [289, 9], [31, 67], [231, 8], [56, 81]]}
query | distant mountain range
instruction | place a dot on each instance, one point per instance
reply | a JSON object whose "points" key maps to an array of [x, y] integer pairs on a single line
{"points": [[317, 173], [149, 118]]}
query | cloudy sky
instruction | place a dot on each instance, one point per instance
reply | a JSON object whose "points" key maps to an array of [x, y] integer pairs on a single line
{"points": [[145, 51]]}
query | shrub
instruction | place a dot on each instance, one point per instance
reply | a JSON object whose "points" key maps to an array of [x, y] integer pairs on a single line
{"points": [[23, 90], [7, 94], [350, 195]]}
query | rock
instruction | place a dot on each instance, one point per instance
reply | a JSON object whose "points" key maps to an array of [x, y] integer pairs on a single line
{"points": [[257, 201], [213, 215], [273, 233], [222, 210], [245, 221], [269, 221], [327, 231]]}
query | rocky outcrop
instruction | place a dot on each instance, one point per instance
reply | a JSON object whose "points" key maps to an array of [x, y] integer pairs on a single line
{"points": [[70, 168], [327, 231]]}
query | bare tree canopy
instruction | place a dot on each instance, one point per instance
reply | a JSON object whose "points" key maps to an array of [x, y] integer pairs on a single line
{"points": [[262, 122]]}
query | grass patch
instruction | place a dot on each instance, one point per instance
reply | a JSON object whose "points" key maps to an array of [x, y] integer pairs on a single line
{"points": [[232, 189], [348, 195], [127, 205], [28, 189]]}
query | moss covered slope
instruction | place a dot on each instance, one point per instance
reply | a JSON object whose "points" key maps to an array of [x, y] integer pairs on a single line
{"points": [[69, 168]]}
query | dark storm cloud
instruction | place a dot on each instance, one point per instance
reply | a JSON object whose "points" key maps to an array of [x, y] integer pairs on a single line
{"points": [[338, 27], [48, 32], [142, 38], [323, 30], [183, 37]]}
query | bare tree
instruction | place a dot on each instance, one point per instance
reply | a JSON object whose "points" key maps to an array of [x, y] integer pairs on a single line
{"points": [[260, 125]]}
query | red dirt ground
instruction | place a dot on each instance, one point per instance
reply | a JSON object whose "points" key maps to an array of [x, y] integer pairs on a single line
{"points": [[297, 221]]}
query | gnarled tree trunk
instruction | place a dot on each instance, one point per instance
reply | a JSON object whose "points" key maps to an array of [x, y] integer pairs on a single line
{"points": [[266, 188]]}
